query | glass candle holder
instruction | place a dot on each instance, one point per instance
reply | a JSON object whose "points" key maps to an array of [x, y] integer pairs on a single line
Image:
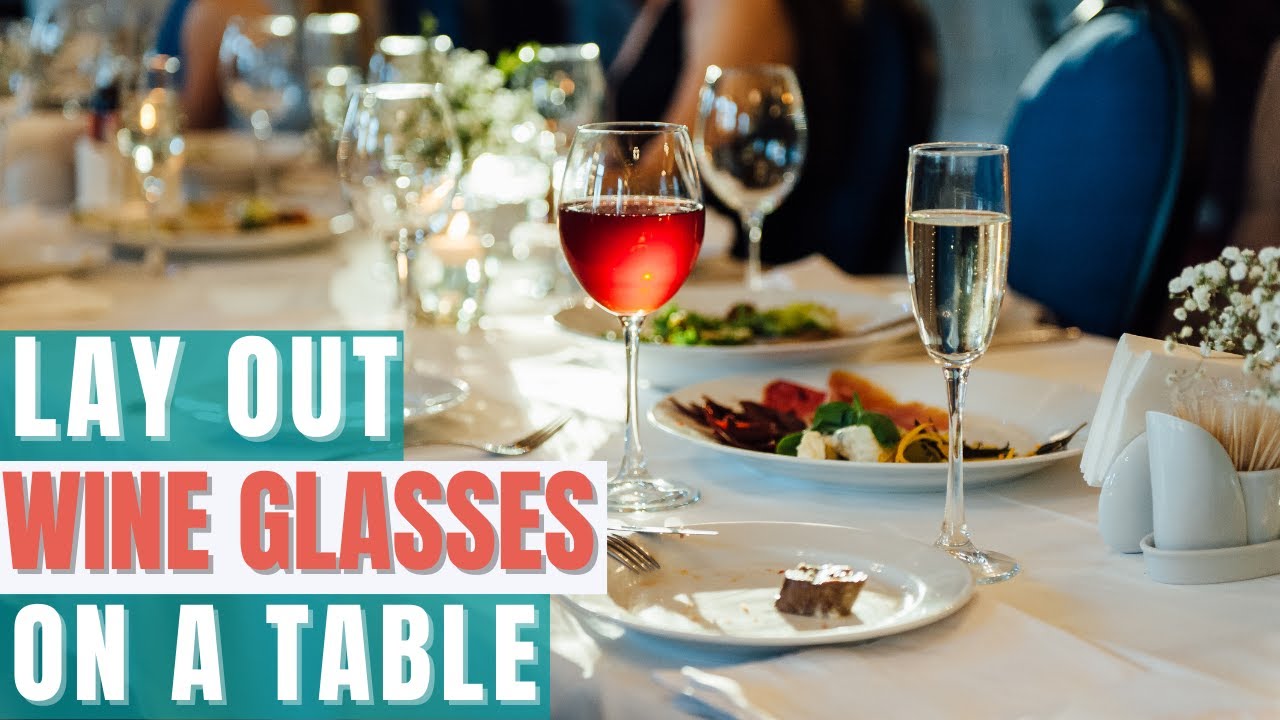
{"points": [[451, 278]]}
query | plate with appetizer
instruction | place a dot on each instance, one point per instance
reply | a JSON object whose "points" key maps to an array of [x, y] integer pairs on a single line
{"points": [[782, 584], [215, 228], [881, 427], [708, 332]]}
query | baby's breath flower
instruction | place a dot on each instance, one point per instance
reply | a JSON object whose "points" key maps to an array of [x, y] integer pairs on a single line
{"points": [[1237, 300]]}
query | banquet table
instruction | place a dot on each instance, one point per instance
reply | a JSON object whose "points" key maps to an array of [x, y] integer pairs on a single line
{"points": [[1081, 632]]}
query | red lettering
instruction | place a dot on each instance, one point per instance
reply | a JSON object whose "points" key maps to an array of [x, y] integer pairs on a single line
{"points": [[411, 488], [560, 487], [95, 520], [253, 521], [516, 518], [364, 522], [309, 556], [46, 522], [183, 519], [464, 488], [136, 518]]}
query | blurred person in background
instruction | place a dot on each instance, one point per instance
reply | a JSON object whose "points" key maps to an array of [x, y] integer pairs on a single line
{"points": [[661, 66], [1259, 224], [191, 30]]}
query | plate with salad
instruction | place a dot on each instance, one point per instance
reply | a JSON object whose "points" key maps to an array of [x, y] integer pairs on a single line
{"points": [[711, 331], [880, 427]]}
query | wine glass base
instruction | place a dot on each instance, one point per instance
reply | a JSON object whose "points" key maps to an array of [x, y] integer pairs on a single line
{"points": [[648, 495], [988, 567], [426, 394]]}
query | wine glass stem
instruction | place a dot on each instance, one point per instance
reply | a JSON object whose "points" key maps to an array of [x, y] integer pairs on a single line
{"points": [[754, 224], [405, 300], [954, 531], [154, 257], [261, 133], [633, 465]]}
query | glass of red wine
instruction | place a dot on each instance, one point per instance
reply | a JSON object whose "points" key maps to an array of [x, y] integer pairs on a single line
{"points": [[631, 221]]}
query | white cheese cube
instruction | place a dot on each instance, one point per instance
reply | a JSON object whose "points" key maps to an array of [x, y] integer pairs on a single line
{"points": [[813, 445], [856, 443]]}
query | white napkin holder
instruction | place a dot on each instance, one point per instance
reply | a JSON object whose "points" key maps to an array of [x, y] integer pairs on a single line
{"points": [[1174, 495], [1169, 490]]}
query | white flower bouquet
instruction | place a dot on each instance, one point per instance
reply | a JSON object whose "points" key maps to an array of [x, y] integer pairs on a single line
{"points": [[1232, 304], [488, 116]]}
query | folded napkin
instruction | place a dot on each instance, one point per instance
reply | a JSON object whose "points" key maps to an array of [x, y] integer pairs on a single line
{"points": [[991, 661], [1138, 381]]}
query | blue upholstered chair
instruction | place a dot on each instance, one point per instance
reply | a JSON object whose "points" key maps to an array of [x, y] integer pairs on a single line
{"points": [[1106, 145]]}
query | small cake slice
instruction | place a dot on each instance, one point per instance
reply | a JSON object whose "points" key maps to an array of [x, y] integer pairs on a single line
{"points": [[820, 590]]}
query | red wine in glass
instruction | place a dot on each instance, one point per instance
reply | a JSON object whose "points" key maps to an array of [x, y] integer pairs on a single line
{"points": [[631, 223], [632, 255]]}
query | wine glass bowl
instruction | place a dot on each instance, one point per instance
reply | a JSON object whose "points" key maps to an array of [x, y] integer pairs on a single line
{"points": [[567, 84], [957, 254], [399, 161], [751, 138], [631, 222], [260, 68], [409, 58]]}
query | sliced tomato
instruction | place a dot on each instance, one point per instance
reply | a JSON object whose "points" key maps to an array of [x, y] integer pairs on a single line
{"points": [[789, 397]]}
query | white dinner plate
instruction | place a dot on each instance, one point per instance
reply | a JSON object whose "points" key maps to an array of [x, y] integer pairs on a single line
{"points": [[720, 589], [999, 408], [20, 262], [676, 365], [225, 243], [426, 395]]}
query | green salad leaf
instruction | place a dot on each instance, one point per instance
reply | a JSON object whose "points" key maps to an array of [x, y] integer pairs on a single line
{"points": [[788, 444], [830, 417], [742, 324]]}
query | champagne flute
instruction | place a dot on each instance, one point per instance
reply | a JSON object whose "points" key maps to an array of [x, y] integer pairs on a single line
{"points": [[751, 138], [259, 64], [400, 161], [958, 228], [150, 139], [631, 222]]}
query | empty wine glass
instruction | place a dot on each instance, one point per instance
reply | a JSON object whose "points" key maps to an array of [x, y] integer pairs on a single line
{"points": [[330, 48], [260, 68], [958, 228], [150, 139], [409, 58], [567, 85], [631, 224], [751, 137]]}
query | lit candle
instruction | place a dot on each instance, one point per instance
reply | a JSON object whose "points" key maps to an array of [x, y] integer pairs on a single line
{"points": [[456, 246]]}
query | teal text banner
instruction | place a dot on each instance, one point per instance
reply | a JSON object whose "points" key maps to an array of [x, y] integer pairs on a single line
{"points": [[58, 379], [490, 653]]}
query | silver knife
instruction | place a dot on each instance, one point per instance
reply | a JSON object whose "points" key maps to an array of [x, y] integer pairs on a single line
{"points": [[659, 529]]}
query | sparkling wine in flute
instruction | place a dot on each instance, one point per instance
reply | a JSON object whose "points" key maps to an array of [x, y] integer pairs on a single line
{"points": [[957, 265]]}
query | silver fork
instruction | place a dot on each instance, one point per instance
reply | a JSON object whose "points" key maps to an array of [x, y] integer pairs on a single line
{"points": [[630, 554], [520, 446]]}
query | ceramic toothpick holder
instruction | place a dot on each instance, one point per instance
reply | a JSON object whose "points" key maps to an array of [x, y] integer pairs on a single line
{"points": [[1173, 494]]}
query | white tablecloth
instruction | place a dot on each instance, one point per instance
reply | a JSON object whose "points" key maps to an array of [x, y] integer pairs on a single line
{"points": [[522, 373]]}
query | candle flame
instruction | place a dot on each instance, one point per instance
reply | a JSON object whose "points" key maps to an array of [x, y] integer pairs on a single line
{"points": [[459, 226], [147, 117]]}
